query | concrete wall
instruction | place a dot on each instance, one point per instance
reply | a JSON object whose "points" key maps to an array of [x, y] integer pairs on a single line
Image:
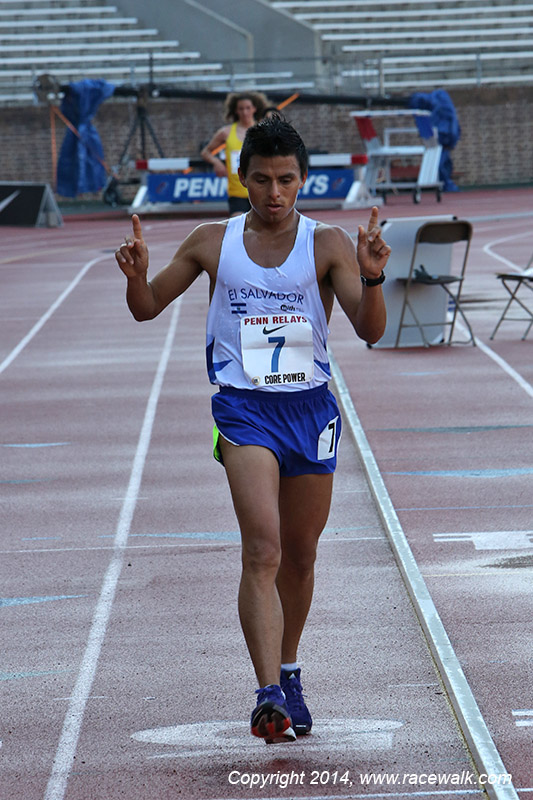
{"points": [[233, 30], [496, 147], [194, 25], [292, 45]]}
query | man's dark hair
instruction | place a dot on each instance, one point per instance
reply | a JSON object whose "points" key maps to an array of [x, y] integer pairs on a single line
{"points": [[273, 136]]}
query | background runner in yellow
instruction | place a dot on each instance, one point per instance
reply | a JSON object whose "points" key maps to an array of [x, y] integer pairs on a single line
{"points": [[242, 110]]}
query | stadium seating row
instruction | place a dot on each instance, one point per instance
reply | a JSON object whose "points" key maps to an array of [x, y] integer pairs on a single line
{"points": [[393, 45], [371, 47], [74, 39]]}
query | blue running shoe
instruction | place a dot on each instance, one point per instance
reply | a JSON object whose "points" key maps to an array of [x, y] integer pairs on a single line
{"points": [[270, 719], [292, 689]]}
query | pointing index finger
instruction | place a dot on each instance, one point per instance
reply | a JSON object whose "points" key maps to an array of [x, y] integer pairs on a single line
{"points": [[136, 222]]}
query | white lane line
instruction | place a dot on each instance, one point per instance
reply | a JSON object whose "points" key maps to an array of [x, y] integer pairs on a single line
{"points": [[66, 749], [46, 316], [483, 750], [524, 713], [488, 249], [490, 540], [527, 387], [501, 362], [205, 545]]}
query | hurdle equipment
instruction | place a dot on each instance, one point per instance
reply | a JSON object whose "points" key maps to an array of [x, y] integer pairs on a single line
{"points": [[378, 177]]}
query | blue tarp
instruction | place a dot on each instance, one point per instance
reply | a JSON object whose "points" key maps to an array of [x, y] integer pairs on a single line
{"points": [[444, 119], [79, 167]]}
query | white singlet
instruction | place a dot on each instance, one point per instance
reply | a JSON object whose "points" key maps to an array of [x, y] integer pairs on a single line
{"points": [[266, 327]]}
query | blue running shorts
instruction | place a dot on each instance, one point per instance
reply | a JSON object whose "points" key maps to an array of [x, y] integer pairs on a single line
{"points": [[302, 429]]}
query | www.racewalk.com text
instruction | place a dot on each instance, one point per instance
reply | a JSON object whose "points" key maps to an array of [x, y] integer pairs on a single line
{"points": [[345, 778]]}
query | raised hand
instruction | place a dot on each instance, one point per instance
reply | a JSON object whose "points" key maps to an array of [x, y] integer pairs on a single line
{"points": [[132, 255], [372, 251]]}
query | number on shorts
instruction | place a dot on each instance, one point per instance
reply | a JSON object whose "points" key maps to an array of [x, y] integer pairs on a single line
{"points": [[327, 441], [332, 427]]}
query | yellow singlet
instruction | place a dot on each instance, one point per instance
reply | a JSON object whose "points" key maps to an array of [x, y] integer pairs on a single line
{"points": [[233, 152]]}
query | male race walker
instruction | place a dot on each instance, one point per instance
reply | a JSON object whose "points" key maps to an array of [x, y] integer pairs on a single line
{"points": [[274, 275]]}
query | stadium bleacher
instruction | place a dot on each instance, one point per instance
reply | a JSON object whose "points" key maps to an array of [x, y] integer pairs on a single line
{"points": [[371, 47], [76, 39], [393, 45]]}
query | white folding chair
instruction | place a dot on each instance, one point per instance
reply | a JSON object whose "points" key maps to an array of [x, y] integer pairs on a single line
{"points": [[444, 232]]}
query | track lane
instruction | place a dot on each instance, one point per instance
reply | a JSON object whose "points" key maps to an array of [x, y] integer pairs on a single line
{"points": [[148, 532]]}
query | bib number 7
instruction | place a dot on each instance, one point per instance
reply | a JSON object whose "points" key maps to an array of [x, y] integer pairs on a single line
{"points": [[280, 341], [286, 357]]}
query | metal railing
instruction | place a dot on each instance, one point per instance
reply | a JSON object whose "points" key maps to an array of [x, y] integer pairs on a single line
{"points": [[331, 75]]}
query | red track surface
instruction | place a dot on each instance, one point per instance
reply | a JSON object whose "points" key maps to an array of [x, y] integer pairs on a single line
{"points": [[122, 657]]}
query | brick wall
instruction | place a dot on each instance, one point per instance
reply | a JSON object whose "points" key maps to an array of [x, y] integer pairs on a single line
{"points": [[496, 147]]}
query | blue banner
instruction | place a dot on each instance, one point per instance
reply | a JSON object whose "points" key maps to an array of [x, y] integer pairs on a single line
{"points": [[195, 187]]}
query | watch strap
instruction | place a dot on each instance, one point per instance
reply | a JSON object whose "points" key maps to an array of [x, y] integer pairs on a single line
{"points": [[373, 281]]}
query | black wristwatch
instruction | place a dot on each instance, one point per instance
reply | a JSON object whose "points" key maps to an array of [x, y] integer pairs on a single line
{"points": [[373, 281]]}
